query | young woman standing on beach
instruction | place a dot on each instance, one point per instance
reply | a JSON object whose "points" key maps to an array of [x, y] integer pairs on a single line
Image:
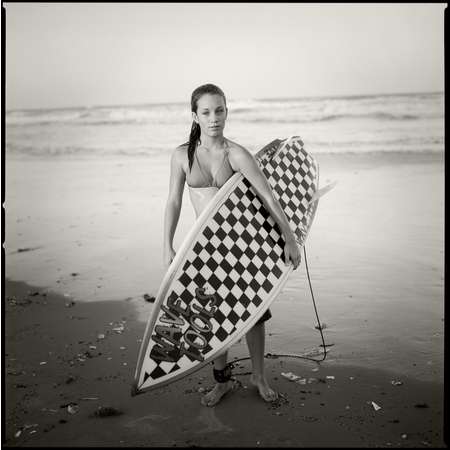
{"points": [[205, 163]]}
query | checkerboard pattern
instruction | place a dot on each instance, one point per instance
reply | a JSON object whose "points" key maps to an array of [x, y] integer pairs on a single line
{"points": [[293, 175], [239, 256]]}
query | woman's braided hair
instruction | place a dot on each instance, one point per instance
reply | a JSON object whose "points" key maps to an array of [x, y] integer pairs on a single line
{"points": [[194, 136]]}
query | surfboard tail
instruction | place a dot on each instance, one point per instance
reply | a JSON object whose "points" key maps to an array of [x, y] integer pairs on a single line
{"points": [[134, 389]]}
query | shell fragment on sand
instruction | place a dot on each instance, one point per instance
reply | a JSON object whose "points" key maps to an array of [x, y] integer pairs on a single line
{"points": [[290, 376], [73, 408], [375, 406]]}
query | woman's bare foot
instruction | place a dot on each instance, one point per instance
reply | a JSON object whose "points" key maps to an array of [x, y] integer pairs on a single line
{"points": [[265, 391], [214, 396]]}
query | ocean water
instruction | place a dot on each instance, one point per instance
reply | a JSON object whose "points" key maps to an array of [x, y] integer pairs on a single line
{"points": [[356, 124]]}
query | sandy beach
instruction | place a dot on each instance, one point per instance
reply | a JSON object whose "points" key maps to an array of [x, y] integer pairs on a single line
{"points": [[85, 361], [83, 247]]}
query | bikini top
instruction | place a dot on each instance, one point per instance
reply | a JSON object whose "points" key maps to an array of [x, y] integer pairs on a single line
{"points": [[223, 173], [202, 195]]}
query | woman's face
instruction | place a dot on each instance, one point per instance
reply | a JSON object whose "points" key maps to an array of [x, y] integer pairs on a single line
{"points": [[211, 114]]}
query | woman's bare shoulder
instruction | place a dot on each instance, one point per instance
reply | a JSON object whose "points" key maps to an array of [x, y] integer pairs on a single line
{"points": [[237, 151], [180, 156], [181, 151], [234, 146], [238, 156], [183, 148]]}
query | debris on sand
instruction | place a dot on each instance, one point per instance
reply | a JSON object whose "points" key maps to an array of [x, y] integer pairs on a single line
{"points": [[49, 410], [70, 379], [13, 301], [27, 249], [149, 298], [107, 411], [72, 408], [396, 382], [290, 376], [16, 372], [70, 304], [421, 405], [375, 406]]}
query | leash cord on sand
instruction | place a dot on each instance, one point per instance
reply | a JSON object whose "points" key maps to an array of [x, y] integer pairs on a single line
{"points": [[319, 326]]}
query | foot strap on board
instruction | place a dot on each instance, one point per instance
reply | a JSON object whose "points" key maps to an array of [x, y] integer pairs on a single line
{"points": [[223, 375]]}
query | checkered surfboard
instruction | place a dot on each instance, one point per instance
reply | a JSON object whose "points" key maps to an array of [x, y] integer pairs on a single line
{"points": [[228, 269]]}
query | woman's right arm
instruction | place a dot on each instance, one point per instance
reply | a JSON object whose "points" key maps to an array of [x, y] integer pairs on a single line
{"points": [[174, 201]]}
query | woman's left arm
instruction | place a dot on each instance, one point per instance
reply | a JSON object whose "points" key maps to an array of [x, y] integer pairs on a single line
{"points": [[243, 161]]}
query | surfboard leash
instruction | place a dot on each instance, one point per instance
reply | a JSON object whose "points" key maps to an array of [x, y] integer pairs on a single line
{"points": [[292, 355]]}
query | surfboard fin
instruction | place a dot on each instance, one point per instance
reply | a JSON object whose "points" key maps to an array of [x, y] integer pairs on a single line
{"points": [[322, 191]]}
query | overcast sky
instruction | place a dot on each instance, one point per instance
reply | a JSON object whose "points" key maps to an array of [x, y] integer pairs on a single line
{"points": [[82, 54]]}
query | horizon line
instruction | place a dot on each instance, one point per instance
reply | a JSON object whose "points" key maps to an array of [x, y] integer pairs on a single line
{"points": [[267, 99]]}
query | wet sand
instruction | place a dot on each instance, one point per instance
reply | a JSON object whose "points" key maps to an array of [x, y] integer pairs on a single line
{"points": [[56, 357], [83, 232]]}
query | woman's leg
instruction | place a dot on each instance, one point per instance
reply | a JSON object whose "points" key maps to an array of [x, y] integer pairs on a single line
{"points": [[255, 342], [222, 387]]}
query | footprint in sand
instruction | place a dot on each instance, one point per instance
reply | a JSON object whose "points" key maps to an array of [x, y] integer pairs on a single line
{"points": [[148, 423], [210, 422]]}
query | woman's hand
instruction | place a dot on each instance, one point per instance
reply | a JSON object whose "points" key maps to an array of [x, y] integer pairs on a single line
{"points": [[292, 252], [169, 254]]}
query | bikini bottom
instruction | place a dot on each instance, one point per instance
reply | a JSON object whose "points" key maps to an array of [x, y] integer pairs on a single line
{"points": [[266, 316]]}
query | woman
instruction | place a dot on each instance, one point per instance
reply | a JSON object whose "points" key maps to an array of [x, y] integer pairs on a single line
{"points": [[205, 163]]}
